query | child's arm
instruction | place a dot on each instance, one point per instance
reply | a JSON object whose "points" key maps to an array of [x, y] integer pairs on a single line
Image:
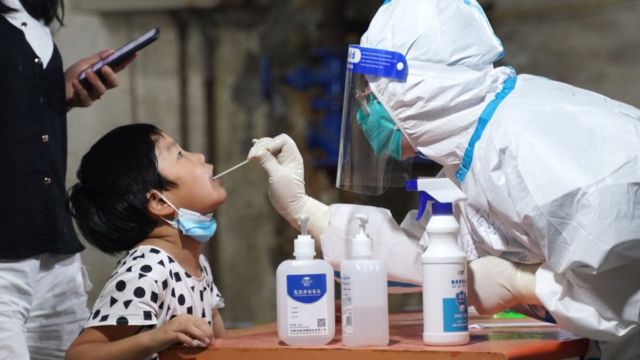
{"points": [[127, 343], [218, 324]]}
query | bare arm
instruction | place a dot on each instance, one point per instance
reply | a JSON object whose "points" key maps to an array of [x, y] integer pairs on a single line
{"points": [[127, 343], [218, 325]]}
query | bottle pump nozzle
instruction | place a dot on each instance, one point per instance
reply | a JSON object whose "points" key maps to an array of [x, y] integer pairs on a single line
{"points": [[361, 245], [362, 221], [441, 191], [303, 221], [303, 245]]}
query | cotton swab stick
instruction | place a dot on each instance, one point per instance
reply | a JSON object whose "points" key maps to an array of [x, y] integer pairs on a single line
{"points": [[230, 170]]}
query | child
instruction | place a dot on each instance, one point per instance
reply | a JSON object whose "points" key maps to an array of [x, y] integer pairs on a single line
{"points": [[139, 192]]}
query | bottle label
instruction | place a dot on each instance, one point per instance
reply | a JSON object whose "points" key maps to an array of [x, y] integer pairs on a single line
{"points": [[454, 309], [454, 314], [444, 297], [307, 304], [346, 305]]}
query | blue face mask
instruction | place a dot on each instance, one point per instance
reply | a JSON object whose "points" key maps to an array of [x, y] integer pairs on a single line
{"points": [[379, 128], [193, 224]]}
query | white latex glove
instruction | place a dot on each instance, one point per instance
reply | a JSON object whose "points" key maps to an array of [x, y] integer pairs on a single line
{"points": [[286, 182], [496, 284]]}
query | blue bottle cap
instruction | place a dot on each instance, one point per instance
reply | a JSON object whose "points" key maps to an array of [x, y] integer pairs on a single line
{"points": [[441, 208]]}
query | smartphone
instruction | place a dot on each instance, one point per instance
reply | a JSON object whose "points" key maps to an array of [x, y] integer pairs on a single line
{"points": [[122, 54]]}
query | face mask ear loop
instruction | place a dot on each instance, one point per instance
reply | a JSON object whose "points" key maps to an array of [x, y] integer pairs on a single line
{"points": [[170, 222], [364, 106], [363, 98]]}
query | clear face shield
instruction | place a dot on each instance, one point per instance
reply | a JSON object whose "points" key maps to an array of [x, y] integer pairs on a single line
{"points": [[370, 157]]}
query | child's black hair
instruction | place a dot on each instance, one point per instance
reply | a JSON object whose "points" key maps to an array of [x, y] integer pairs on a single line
{"points": [[109, 202]]}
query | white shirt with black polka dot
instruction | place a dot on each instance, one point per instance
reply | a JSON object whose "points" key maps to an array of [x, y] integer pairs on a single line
{"points": [[148, 288]]}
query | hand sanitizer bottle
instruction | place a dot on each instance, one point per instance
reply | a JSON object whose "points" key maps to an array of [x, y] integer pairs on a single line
{"points": [[444, 265], [305, 295], [363, 285]]}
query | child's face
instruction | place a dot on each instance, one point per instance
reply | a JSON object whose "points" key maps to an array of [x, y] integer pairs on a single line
{"points": [[196, 190]]}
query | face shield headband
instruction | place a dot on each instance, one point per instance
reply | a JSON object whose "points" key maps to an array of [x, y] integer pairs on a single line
{"points": [[370, 158]]}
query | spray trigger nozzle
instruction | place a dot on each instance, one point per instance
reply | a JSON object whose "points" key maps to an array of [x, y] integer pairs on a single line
{"points": [[423, 201], [303, 221], [441, 192]]}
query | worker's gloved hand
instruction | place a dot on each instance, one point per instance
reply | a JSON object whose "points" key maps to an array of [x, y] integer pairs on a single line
{"points": [[280, 157], [496, 284]]}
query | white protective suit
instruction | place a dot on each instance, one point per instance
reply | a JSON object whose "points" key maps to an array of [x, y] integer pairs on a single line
{"points": [[554, 177]]}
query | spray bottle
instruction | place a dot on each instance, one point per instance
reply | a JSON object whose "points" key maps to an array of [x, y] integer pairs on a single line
{"points": [[363, 281], [444, 265], [305, 294]]}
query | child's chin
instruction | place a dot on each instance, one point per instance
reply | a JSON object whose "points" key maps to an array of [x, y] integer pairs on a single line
{"points": [[221, 198]]}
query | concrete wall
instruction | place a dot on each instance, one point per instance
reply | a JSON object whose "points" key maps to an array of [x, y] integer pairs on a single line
{"points": [[592, 44]]}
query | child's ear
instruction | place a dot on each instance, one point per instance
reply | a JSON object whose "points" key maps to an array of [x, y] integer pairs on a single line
{"points": [[157, 206]]}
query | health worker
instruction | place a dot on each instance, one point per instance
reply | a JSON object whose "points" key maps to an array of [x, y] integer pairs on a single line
{"points": [[551, 172]]}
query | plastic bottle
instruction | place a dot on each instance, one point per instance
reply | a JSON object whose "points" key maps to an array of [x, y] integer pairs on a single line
{"points": [[305, 295], [363, 281], [444, 265]]}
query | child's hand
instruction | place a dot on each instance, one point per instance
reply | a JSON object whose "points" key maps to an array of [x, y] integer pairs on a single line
{"points": [[186, 329]]}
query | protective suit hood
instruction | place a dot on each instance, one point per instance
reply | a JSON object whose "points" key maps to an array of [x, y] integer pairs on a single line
{"points": [[450, 48]]}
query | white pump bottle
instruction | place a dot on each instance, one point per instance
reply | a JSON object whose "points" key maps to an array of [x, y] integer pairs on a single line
{"points": [[363, 281], [444, 265], [305, 295]]}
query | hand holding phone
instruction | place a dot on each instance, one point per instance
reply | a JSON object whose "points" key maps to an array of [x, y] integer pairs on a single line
{"points": [[119, 56]]}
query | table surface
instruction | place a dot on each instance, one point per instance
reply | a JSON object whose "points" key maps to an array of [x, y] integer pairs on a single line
{"points": [[519, 339]]}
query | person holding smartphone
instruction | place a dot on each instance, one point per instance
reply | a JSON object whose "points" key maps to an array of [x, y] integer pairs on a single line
{"points": [[42, 287]]}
